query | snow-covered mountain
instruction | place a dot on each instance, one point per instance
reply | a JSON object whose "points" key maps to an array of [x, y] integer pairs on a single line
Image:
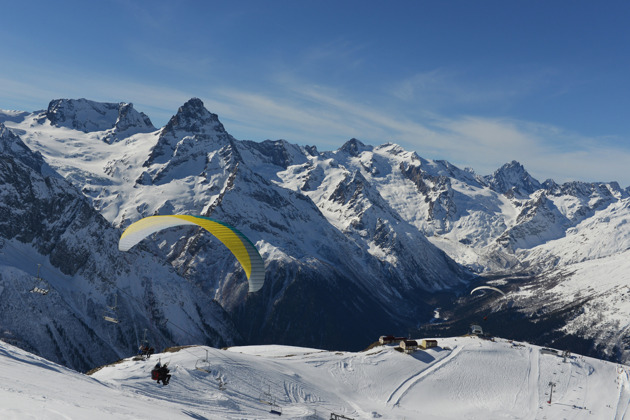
{"points": [[328, 284], [356, 241], [463, 377], [51, 238], [117, 121]]}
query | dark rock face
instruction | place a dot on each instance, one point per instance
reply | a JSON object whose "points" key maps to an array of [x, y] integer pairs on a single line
{"points": [[353, 147], [193, 127], [42, 209], [437, 191], [194, 118], [317, 308], [129, 118], [512, 178]]}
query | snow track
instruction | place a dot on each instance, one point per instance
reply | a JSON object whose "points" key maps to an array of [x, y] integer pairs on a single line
{"points": [[405, 386], [623, 405], [533, 379]]}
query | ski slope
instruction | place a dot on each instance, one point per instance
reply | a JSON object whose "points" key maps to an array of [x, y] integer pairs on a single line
{"points": [[463, 378]]}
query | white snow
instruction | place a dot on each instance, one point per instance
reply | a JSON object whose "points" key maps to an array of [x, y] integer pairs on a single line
{"points": [[464, 377]]}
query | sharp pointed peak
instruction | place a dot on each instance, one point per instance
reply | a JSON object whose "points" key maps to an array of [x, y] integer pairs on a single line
{"points": [[513, 177], [354, 146], [193, 117]]}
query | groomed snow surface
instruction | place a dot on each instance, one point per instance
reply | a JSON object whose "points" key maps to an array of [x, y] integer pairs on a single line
{"points": [[462, 378]]}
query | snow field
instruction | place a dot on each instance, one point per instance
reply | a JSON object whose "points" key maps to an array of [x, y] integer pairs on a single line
{"points": [[464, 378]]}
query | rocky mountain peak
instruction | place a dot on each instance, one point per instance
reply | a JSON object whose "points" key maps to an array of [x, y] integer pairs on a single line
{"points": [[184, 143], [8, 140], [194, 118], [354, 147], [129, 118], [512, 178], [13, 147]]}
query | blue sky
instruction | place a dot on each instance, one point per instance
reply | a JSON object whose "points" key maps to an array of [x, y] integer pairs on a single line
{"points": [[477, 83]]}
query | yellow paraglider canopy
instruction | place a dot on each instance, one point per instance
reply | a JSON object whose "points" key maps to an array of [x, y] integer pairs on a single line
{"points": [[242, 248]]}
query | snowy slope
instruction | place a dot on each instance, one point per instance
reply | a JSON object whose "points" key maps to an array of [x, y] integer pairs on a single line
{"points": [[590, 264], [601, 287], [463, 377]]}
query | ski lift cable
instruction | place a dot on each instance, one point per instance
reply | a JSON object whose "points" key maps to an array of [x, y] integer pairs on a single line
{"points": [[167, 321], [114, 285], [220, 354], [39, 265], [29, 258], [135, 299], [26, 256]]}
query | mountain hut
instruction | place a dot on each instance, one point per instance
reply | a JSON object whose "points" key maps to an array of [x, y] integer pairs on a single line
{"points": [[427, 344], [408, 345]]}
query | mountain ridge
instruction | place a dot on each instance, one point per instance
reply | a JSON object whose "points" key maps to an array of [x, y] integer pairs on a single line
{"points": [[369, 234]]}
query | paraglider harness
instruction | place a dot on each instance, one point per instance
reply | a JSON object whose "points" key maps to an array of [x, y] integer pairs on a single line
{"points": [[160, 373]]}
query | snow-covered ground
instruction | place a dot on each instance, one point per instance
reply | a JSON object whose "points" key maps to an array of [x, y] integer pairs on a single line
{"points": [[463, 378]]}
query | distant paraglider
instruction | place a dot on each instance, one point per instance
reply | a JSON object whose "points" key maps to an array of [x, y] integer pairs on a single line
{"points": [[494, 289], [488, 288], [242, 248]]}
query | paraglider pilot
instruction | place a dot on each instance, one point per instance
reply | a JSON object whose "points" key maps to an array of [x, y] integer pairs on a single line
{"points": [[160, 373]]}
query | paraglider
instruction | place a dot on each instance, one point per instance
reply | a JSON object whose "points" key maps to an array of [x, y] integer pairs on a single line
{"points": [[488, 288], [495, 289], [160, 372], [242, 248]]}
